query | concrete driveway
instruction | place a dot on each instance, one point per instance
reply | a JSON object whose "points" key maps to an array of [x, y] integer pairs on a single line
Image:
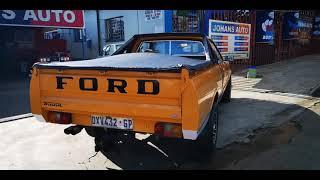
{"points": [[287, 147], [282, 91], [29, 144]]}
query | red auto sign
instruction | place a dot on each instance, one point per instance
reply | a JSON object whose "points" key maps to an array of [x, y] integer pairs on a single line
{"points": [[43, 18]]}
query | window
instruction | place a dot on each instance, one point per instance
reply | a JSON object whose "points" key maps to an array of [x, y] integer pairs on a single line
{"points": [[118, 46], [185, 48], [78, 35], [161, 47], [47, 36], [52, 35], [186, 20], [114, 29]]}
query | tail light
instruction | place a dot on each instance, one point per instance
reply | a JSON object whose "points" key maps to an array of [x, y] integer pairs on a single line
{"points": [[59, 117], [168, 129]]}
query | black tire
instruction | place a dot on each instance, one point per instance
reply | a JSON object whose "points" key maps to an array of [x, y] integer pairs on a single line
{"points": [[227, 93], [208, 139]]}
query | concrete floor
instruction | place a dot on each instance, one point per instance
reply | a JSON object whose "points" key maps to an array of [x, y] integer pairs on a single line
{"points": [[282, 92], [29, 144], [301, 152]]}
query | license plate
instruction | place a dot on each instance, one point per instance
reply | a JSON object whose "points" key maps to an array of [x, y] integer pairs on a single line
{"points": [[112, 122]]}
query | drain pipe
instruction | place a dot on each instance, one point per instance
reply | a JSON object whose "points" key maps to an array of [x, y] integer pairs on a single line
{"points": [[138, 21], [98, 28]]}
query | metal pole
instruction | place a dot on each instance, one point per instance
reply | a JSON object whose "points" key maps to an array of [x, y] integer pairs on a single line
{"points": [[202, 21], [138, 21], [82, 35]]}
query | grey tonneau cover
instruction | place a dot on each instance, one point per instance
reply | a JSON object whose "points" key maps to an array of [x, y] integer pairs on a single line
{"points": [[131, 62]]}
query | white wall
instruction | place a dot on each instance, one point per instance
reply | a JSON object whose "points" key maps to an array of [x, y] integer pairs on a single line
{"points": [[91, 33], [134, 23], [150, 26], [130, 23], [76, 48]]}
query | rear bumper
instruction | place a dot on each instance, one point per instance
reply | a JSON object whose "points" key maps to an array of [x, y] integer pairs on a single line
{"points": [[141, 125], [189, 134]]}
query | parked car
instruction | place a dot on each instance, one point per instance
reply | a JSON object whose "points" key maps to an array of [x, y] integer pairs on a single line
{"points": [[56, 57], [167, 84], [53, 57], [109, 49]]}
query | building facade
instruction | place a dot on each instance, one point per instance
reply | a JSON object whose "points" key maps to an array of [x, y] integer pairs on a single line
{"points": [[28, 35], [83, 43], [118, 26], [268, 44]]}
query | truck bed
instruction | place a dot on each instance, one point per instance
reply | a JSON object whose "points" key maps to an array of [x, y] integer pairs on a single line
{"points": [[131, 62]]}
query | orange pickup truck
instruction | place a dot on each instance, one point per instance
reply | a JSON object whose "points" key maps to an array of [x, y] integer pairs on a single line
{"points": [[166, 84]]}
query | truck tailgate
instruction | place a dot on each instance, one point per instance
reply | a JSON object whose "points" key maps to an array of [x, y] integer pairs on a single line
{"points": [[89, 99]]}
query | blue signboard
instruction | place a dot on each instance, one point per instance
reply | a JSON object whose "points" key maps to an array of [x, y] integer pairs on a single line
{"points": [[316, 27], [265, 26], [305, 29], [290, 25], [231, 38], [295, 27]]}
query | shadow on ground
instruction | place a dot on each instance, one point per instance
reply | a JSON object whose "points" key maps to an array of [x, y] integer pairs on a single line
{"points": [[138, 155]]}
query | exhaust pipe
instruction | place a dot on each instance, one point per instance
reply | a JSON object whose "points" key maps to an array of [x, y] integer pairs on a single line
{"points": [[73, 130]]}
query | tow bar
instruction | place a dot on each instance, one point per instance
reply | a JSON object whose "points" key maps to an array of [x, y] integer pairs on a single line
{"points": [[73, 130]]}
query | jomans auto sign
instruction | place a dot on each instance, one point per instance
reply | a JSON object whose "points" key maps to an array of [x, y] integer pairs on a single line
{"points": [[43, 18]]}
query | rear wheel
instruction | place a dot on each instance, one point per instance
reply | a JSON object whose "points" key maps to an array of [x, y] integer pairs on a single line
{"points": [[208, 139]]}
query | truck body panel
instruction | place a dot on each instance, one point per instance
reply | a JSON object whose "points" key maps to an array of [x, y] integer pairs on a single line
{"points": [[146, 87]]}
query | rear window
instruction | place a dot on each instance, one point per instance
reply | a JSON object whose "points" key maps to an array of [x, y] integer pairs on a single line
{"points": [[185, 48]]}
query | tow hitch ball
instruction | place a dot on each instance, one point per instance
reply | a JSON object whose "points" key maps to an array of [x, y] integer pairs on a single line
{"points": [[73, 130]]}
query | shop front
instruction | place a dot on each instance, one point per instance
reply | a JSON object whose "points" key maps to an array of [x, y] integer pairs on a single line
{"points": [[23, 39], [275, 35]]}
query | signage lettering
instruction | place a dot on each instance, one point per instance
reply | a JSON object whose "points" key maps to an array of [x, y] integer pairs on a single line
{"points": [[43, 18]]}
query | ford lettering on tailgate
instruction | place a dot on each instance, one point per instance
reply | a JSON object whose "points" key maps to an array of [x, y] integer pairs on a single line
{"points": [[113, 84]]}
